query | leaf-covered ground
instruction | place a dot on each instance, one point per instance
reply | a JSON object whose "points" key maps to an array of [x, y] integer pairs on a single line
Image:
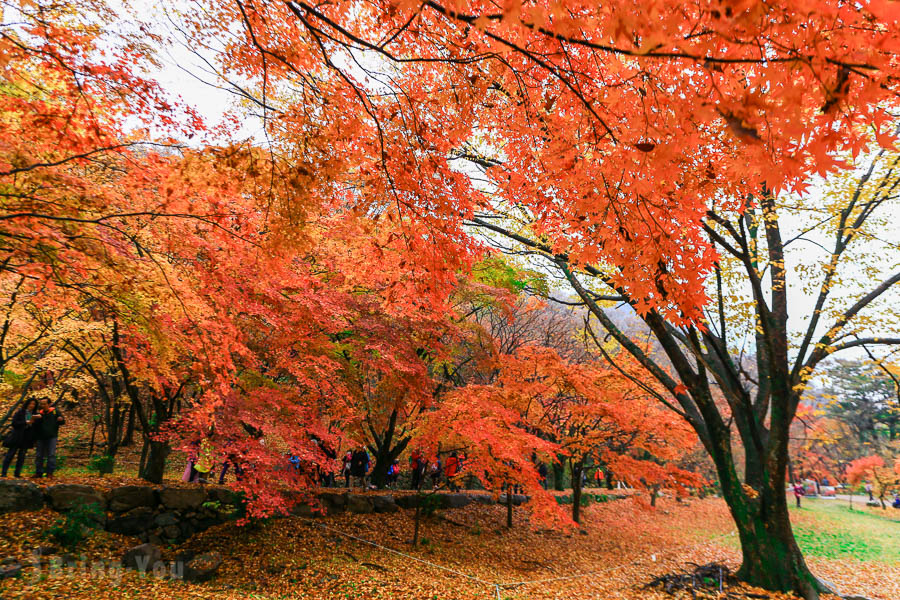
{"points": [[621, 547]]}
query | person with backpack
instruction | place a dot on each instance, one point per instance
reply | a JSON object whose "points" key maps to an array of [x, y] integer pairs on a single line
{"points": [[393, 473], [46, 433], [20, 438]]}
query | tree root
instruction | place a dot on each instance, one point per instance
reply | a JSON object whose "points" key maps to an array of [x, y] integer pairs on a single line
{"points": [[712, 580]]}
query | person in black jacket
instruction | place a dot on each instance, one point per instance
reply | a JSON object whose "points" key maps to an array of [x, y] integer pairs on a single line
{"points": [[21, 438], [46, 431], [359, 466]]}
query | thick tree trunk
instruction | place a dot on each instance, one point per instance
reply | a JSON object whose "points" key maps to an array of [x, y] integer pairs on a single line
{"points": [[384, 453], [509, 506], [155, 465], [771, 558], [384, 458], [577, 468]]}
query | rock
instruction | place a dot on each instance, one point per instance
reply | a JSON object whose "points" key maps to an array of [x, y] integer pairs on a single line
{"points": [[46, 550], [66, 496], [171, 531], [203, 567], [182, 498], [187, 529], [455, 500], [167, 518], [143, 557], [517, 499], [223, 495], [185, 556], [333, 502], [874, 503], [302, 509], [20, 495], [127, 497], [134, 522], [10, 569], [482, 498], [384, 504], [829, 586], [359, 504], [407, 501]]}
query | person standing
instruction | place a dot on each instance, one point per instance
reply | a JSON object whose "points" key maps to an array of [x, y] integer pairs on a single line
{"points": [[348, 463], [21, 438], [451, 469], [46, 432], [417, 463], [436, 470], [869, 491], [359, 466], [798, 493]]}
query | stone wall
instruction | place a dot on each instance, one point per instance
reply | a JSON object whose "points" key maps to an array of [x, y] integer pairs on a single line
{"points": [[157, 514], [166, 514]]}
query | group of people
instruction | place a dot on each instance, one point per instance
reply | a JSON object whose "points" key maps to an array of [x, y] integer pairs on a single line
{"points": [[356, 465], [34, 425]]}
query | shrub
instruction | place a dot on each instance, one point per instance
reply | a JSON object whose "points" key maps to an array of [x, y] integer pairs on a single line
{"points": [[429, 504], [103, 464], [76, 525]]}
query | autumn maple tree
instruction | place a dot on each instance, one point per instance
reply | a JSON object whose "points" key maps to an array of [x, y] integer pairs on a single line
{"points": [[884, 478], [646, 150]]}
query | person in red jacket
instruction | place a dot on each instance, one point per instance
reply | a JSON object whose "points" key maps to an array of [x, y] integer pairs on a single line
{"points": [[451, 469], [798, 493], [417, 464]]}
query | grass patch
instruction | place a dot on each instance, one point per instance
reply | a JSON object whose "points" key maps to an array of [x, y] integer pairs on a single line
{"points": [[831, 529]]}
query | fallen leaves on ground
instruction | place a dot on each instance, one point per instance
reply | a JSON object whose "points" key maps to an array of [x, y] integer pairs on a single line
{"points": [[464, 554]]}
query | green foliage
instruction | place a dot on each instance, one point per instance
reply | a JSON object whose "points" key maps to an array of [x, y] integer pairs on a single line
{"points": [[429, 504], [102, 463], [497, 272], [76, 524], [226, 510], [587, 499]]}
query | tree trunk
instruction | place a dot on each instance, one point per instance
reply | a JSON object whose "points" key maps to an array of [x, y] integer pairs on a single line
{"points": [[415, 539], [654, 494], [509, 506], [129, 432], [559, 471], [577, 468], [155, 465], [771, 558], [384, 453]]}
